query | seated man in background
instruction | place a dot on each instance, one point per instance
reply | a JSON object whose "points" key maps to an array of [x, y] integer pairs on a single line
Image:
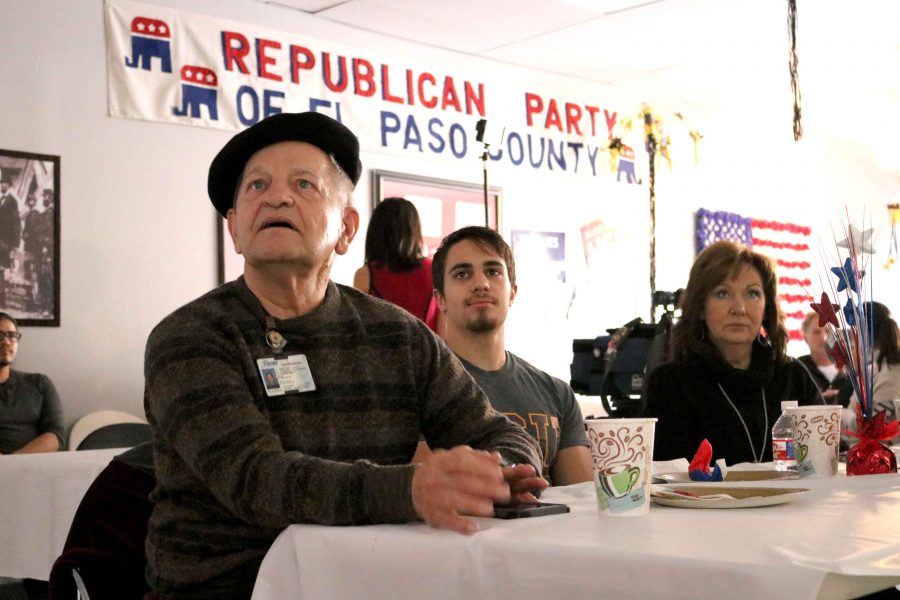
{"points": [[474, 276], [834, 384], [31, 417], [360, 380]]}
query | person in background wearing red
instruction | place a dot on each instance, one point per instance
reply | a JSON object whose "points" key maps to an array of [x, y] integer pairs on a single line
{"points": [[396, 268]]}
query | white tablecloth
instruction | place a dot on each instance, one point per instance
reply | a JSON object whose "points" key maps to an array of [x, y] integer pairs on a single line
{"points": [[39, 494], [839, 541]]}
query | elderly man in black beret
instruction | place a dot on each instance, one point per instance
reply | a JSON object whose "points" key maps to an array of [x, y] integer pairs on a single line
{"points": [[357, 382]]}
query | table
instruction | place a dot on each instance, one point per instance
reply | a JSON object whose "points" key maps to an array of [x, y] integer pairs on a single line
{"points": [[841, 540], [39, 494]]}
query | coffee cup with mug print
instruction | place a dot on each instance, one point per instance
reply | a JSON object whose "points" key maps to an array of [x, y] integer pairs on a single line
{"points": [[620, 481], [622, 458], [817, 432]]}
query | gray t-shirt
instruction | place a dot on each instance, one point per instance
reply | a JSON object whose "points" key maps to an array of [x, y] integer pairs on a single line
{"points": [[29, 407], [544, 405]]}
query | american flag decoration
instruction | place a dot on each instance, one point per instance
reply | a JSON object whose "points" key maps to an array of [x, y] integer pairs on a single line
{"points": [[785, 243]]}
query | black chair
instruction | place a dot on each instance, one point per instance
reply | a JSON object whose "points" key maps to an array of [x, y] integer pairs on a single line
{"points": [[101, 419], [116, 435], [82, 593], [104, 552]]}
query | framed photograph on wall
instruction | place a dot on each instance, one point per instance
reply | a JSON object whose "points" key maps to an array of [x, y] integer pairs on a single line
{"points": [[231, 264], [29, 237], [444, 205]]}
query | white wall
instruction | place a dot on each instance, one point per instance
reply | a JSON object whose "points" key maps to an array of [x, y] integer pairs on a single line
{"points": [[138, 232]]}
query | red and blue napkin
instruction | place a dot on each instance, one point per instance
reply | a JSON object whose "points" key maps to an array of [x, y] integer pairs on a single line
{"points": [[700, 468]]}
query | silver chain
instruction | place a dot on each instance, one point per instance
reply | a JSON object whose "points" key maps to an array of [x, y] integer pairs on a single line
{"points": [[757, 458]]}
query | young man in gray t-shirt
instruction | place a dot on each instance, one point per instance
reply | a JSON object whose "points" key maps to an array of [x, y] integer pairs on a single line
{"points": [[474, 276]]}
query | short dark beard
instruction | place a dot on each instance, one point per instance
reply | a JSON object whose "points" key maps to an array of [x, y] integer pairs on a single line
{"points": [[4, 363], [482, 325]]}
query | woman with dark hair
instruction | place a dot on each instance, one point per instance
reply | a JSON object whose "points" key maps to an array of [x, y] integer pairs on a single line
{"points": [[729, 372], [886, 346], [396, 268]]}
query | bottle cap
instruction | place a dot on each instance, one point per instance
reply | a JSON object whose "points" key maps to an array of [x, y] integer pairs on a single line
{"points": [[788, 404]]}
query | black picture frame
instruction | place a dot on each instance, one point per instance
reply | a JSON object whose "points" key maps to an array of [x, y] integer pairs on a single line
{"points": [[230, 264], [29, 245], [444, 205]]}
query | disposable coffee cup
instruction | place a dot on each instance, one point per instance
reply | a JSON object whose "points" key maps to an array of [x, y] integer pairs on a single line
{"points": [[817, 433], [622, 457]]}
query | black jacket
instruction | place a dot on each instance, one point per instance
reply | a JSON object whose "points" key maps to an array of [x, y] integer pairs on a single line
{"points": [[686, 398]]}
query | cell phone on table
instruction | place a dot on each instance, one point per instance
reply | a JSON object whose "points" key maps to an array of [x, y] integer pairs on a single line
{"points": [[523, 510]]}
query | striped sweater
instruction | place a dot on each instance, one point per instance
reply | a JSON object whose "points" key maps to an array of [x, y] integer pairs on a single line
{"points": [[234, 467]]}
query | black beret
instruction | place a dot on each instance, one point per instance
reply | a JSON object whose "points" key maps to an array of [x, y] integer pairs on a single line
{"points": [[330, 136]]}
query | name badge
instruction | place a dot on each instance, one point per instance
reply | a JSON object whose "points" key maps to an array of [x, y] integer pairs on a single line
{"points": [[282, 376]]}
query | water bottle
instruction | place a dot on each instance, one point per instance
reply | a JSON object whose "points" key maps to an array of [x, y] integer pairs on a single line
{"points": [[783, 439]]}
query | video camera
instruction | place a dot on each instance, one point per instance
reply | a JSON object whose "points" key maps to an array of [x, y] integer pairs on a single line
{"points": [[614, 366]]}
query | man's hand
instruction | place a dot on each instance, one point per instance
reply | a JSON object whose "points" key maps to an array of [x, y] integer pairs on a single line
{"points": [[524, 483], [463, 481]]}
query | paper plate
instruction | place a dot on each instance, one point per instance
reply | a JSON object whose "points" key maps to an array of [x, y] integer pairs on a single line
{"points": [[731, 476], [740, 497]]}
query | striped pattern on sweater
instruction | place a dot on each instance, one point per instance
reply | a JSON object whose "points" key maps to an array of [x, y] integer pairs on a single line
{"points": [[234, 466]]}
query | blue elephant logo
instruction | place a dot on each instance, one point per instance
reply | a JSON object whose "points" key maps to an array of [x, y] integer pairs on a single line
{"points": [[150, 38], [198, 88], [626, 165]]}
